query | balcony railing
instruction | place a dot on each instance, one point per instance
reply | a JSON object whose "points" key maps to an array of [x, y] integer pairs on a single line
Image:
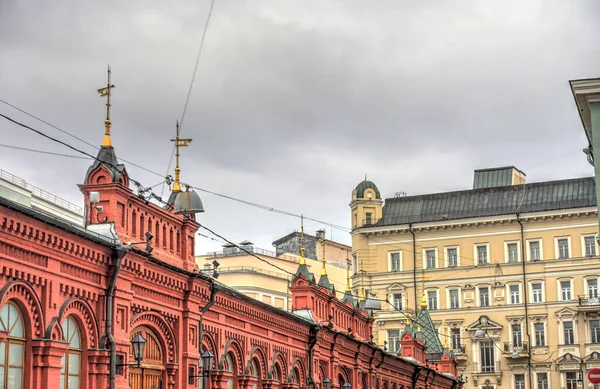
{"points": [[486, 369], [516, 347], [248, 269], [369, 222], [588, 300], [459, 350]]}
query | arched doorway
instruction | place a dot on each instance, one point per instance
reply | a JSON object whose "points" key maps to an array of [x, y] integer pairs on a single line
{"points": [[150, 373]]}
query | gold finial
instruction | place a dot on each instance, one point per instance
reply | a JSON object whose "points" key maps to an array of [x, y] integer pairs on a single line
{"points": [[302, 260], [445, 343], [348, 273], [106, 142], [178, 143], [323, 261], [362, 293], [423, 301]]}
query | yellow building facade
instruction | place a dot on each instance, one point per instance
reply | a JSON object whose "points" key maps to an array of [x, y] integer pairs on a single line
{"points": [[509, 271], [255, 276]]}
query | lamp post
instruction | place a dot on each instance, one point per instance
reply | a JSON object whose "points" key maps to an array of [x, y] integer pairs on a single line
{"points": [[347, 385], [327, 383], [138, 344], [207, 361]]}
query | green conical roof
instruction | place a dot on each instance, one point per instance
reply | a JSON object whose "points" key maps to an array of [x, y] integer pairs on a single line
{"points": [[428, 333], [348, 297], [324, 281], [303, 269]]}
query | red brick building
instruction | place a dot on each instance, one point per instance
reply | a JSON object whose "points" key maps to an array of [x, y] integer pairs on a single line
{"points": [[72, 298]]}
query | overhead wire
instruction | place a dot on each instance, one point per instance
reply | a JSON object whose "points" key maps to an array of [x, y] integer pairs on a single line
{"points": [[42, 152]]}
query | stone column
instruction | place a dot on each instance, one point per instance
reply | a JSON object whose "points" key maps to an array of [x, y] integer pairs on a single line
{"points": [[47, 363]]}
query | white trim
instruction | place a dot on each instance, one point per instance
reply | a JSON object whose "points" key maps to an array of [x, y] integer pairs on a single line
{"points": [[390, 267], [424, 257], [588, 330], [559, 296], [533, 336], [586, 291], [570, 246], [449, 302], [487, 234], [490, 297], [437, 296], [548, 378], [590, 235], [393, 298], [508, 295], [513, 379], [506, 255], [446, 258], [539, 240], [561, 329], [476, 254], [537, 281]]}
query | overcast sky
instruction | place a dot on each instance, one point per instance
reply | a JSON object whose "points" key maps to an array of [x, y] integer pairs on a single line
{"points": [[294, 101]]}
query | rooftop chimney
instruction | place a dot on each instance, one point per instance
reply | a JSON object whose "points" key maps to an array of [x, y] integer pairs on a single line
{"points": [[499, 176], [320, 234]]}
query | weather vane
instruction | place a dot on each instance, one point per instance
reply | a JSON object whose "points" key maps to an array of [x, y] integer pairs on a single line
{"points": [[105, 92], [178, 143]]}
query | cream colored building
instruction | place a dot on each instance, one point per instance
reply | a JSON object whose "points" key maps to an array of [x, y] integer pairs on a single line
{"points": [[258, 279], [509, 271]]}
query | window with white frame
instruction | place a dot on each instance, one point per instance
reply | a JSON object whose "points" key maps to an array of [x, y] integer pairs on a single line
{"points": [[486, 351], [562, 248], [539, 334], [537, 292], [592, 288], [565, 290], [535, 250], [568, 332], [394, 340], [571, 380], [397, 301], [432, 300], [395, 258], [517, 335], [452, 256], [482, 254], [484, 296], [595, 331], [354, 264], [515, 294], [454, 298], [542, 380], [430, 259], [512, 252], [519, 381], [589, 245], [455, 338]]}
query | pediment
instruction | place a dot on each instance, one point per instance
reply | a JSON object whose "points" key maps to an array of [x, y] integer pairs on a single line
{"points": [[592, 358], [491, 325], [568, 358], [566, 312], [396, 286]]}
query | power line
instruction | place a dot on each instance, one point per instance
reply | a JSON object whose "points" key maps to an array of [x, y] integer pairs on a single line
{"points": [[43, 152]]}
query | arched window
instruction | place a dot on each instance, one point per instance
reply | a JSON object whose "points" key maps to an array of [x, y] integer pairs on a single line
{"points": [[230, 367], [164, 234], [71, 360], [133, 223], [178, 242], [295, 377], [171, 239], [157, 234], [255, 372], [12, 349]]}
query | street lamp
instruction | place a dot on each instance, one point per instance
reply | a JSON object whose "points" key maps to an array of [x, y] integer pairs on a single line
{"points": [[138, 344], [347, 385], [327, 383], [205, 364]]}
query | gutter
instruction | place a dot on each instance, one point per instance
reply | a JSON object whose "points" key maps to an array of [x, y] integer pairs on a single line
{"points": [[312, 341], [414, 243], [211, 301], [120, 251], [525, 301]]}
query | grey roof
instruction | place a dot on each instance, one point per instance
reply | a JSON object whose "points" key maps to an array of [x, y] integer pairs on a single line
{"points": [[108, 158], [489, 178], [504, 200], [364, 185]]}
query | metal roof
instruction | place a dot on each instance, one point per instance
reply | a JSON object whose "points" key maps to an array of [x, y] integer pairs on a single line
{"points": [[504, 200], [364, 185]]}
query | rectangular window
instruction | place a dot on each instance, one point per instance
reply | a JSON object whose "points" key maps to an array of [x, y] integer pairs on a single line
{"points": [[595, 330], [565, 290], [455, 336], [563, 248], [568, 332], [395, 261], [515, 295], [540, 334], [512, 251], [542, 380], [191, 375], [397, 299], [452, 257], [571, 379], [590, 246], [517, 335], [482, 255], [432, 300], [368, 219], [484, 297], [454, 299], [519, 381], [394, 340], [537, 292], [592, 285], [487, 357], [354, 264], [534, 251], [430, 255]]}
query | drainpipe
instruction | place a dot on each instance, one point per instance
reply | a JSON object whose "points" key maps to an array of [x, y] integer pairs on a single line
{"points": [[414, 243], [525, 301], [312, 341], [211, 301], [119, 252]]}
